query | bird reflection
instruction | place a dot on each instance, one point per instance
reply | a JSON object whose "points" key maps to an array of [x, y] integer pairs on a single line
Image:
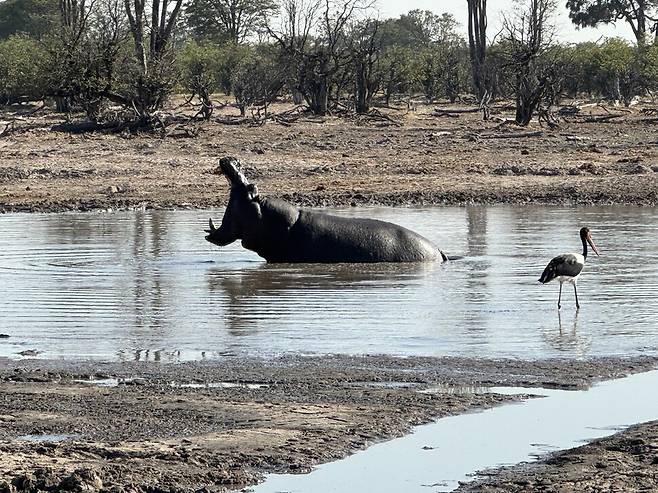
{"points": [[563, 329], [567, 338]]}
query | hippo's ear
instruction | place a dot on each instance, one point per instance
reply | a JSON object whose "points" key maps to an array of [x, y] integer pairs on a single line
{"points": [[252, 191]]}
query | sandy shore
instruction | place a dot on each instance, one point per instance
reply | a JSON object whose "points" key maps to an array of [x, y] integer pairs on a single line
{"points": [[334, 161], [223, 424]]}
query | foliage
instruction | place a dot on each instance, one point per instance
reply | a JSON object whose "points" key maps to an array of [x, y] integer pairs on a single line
{"points": [[22, 69], [637, 14], [257, 80], [620, 69], [199, 65], [397, 71], [31, 17], [227, 21]]}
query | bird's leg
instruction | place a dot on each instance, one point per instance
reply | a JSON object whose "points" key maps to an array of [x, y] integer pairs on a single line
{"points": [[575, 291], [559, 298]]}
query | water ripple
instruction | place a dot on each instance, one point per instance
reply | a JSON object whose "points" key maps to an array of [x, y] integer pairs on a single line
{"points": [[118, 285]]}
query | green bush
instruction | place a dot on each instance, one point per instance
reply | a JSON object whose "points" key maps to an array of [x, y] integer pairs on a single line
{"points": [[22, 74], [257, 80]]}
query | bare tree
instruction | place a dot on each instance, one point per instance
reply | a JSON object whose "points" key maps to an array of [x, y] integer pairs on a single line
{"points": [[74, 18], [151, 36], [366, 45], [313, 38], [477, 43], [297, 21], [529, 34]]}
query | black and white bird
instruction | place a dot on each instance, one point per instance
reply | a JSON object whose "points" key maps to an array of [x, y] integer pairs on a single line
{"points": [[568, 266]]}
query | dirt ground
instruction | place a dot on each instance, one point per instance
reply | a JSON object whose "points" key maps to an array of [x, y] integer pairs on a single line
{"points": [[426, 159], [152, 427]]}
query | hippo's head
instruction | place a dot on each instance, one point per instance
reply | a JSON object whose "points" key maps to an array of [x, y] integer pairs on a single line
{"points": [[243, 209]]}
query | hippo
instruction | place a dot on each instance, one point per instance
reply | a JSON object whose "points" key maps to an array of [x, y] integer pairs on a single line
{"points": [[280, 232]]}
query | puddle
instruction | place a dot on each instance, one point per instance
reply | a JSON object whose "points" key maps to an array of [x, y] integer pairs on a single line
{"points": [[106, 382], [466, 389], [452, 449], [115, 382], [386, 385], [53, 438], [222, 385]]}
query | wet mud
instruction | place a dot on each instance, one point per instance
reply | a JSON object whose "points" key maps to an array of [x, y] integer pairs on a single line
{"points": [[224, 424]]}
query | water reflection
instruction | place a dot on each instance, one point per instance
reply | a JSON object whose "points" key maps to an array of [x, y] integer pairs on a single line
{"points": [[256, 298], [145, 286], [564, 338]]}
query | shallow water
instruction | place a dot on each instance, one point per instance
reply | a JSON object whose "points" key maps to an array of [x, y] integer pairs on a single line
{"points": [[146, 286], [437, 456]]}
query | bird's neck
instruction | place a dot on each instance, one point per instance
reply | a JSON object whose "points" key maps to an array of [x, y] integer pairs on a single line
{"points": [[584, 249]]}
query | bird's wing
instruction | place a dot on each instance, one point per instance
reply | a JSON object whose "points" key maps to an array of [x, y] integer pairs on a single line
{"points": [[568, 264]]}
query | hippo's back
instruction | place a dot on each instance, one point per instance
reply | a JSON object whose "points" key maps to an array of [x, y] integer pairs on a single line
{"points": [[318, 237]]}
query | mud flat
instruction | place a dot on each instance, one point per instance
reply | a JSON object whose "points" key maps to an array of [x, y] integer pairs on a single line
{"points": [[334, 161], [225, 423]]}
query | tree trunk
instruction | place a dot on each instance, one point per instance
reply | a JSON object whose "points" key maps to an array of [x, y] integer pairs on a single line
{"points": [[477, 43], [62, 104], [297, 96], [361, 93]]}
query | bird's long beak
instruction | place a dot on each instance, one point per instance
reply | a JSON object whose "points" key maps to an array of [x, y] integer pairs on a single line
{"points": [[591, 243]]}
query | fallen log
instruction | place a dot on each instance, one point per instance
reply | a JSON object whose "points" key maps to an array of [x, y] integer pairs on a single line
{"points": [[87, 126], [234, 121], [455, 112]]}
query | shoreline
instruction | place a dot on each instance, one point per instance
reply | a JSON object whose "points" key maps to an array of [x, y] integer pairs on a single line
{"points": [[320, 202], [226, 423]]}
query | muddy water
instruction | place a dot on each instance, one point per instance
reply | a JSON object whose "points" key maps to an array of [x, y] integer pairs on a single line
{"points": [[439, 455], [146, 286]]}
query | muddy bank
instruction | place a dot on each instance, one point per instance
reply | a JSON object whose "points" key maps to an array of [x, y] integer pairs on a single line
{"points": [[626, 461], [334, 162], [152, 427]]}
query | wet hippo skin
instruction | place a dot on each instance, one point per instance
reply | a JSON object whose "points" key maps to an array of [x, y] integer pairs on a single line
{"points": [[280, 232]]}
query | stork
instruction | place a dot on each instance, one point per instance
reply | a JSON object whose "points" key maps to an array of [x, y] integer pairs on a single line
{"points": [[568, 266]]}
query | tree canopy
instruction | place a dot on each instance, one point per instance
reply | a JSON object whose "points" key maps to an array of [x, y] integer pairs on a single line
{"points": [[637, 13], [32, 17]]}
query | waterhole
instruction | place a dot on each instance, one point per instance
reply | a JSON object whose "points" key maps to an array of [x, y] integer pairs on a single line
{"points": [[147, 286]]}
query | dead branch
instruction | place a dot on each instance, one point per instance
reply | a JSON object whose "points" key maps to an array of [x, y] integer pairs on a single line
{"points": [[601, 118], [9, 128], [89, 126], [623, 110], [569, 110], [513, 135], [547, 116], [376, 114], [229, 120]]}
